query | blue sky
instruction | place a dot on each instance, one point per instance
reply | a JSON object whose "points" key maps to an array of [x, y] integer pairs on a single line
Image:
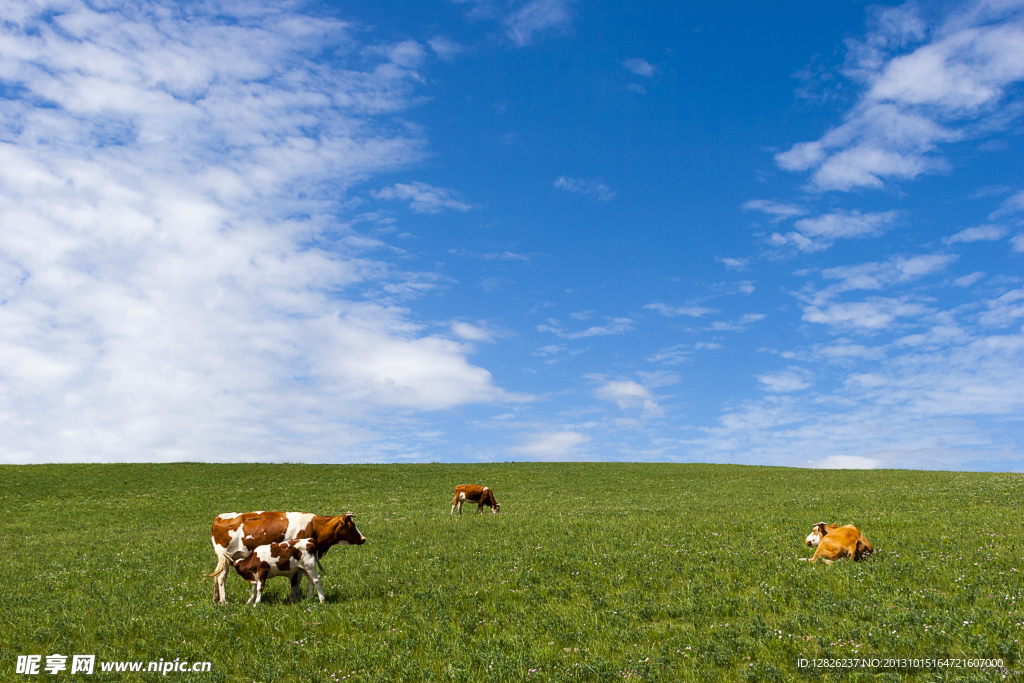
{"points": [[529, 230]]}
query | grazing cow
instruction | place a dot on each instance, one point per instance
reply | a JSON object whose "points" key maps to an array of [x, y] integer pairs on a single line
{"points": [[474, 494], [236, 535], [836, 542], [280, 559]]}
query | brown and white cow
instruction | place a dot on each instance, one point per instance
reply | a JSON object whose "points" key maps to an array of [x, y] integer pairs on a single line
{"points": [[836, 542], [280, 559], [818, 532], [474, 494], [236, 535]]}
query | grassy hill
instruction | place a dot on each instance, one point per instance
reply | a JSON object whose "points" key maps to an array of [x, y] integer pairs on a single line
{"points": [[592, 572]]}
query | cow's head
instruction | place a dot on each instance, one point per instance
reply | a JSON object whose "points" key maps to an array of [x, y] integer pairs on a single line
{"points": [[818, 532], [345, 531], [496, 508]]}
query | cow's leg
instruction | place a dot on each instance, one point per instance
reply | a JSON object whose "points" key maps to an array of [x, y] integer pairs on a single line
{"points": [[453, 509], [219, 593], [314, 580], [296, 593], [258, 587], [460, 507], [252, 594]]}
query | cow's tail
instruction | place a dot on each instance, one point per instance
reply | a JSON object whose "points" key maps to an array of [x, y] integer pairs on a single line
{"points": [[222, 564], [319, 567]]}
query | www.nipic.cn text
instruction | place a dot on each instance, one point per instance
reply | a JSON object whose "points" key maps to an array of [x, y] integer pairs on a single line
{"points": [[33, 665]]}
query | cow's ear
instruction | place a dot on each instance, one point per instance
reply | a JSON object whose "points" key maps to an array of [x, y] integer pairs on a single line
{"points": [[348, 515]]}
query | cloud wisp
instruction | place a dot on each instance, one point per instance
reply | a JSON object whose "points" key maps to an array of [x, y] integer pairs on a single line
{"points": [[951, 85], [628, 395], [640, 67], [673, 311], [422, 198], [614, 326], [587, 187], [820, 232], [536, 17]]}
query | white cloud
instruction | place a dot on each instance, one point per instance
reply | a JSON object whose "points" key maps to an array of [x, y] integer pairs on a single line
{"points": [[629, 395], [494, 255], [641, 67], [422, 198], [878, 276], [874, 313], [534, 17], [445, 48], [672, 311], [1012, 206], [784, 381], [846, 224], [173, 247], [552, 445], [673, 355], [988, 233], [550, 350], [777, 210], [615, 326], [915, 101], [586, 187], [1007, 309], [735, 263], [848, 462], [1017, 242], [968, 280], [843, 350], [956, 406], [659, 378], [408, 54], [818, 233], [739, 324], [471, 332], [680, 353]]}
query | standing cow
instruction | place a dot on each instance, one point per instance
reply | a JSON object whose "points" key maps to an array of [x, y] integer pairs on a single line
{"points": [[236, 535], [474, 494]]}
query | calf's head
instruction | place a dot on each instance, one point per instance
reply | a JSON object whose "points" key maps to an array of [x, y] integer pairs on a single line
{"points": [[247, 567]]}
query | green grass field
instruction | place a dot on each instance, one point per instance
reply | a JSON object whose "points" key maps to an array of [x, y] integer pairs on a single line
{"points": [[592, 572]]}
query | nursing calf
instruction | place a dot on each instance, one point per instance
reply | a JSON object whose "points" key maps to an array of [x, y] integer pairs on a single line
{"points": [[474, 494], [836, 542], [280, 559]]}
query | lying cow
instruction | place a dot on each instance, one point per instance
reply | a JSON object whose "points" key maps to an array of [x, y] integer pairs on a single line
{"points": [[280, 559], [236, 535], [474, 494], [836, 542]]}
